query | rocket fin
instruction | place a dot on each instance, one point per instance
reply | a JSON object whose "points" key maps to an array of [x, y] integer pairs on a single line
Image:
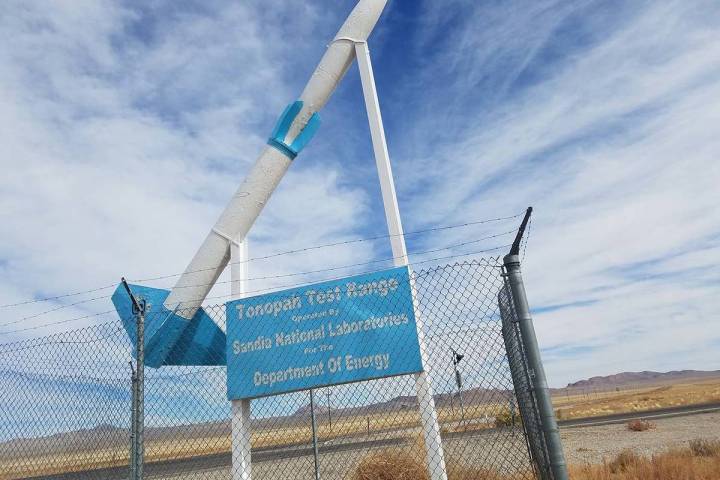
{"points": [[169, 338]]}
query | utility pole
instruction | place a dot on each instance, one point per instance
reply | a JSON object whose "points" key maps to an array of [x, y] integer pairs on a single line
{"points": [[328, 407], [456, 358]]}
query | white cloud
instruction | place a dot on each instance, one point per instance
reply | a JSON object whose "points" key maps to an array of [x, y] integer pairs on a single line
{"points": [[125, 131], [614, 144]]}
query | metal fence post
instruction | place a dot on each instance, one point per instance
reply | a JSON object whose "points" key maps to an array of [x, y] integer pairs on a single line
{"points": [[138, 395], [537, 372], [133, 422], [140, 399]]}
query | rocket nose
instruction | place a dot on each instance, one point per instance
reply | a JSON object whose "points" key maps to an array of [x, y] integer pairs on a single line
{"points": [[361, 20]]}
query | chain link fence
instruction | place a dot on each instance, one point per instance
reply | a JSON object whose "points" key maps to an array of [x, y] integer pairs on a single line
{"points": [[65, 402]]}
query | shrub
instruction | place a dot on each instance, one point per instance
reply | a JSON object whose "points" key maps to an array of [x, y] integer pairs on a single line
{"points": [[506, 418], [623, 461], [705, 448], [640, 425], [401, 464], [391, 465], [457, 471]]}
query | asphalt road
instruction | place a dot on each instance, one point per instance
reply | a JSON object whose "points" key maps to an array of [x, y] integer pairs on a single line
{"points": [[624, 417], [223, 460]]}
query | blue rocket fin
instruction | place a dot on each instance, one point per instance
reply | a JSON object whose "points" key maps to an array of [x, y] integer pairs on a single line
{"points": [[169, 338]]}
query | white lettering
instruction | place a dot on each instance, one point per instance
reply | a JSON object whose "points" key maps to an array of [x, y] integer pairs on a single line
{"points": [[274, 308], [290, 373], [381, 361], [376, 287]]}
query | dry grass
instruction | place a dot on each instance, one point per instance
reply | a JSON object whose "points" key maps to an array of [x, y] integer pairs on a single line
{"points": [[705, 448], [393, 464], [678, 464], [623, 461], [650, 397], [640, 425], [700, 461]]}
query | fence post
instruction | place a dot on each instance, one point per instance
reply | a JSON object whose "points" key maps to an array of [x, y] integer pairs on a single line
{"points": [[138, 394], [537, 372], [133, 422], [140, 399]]}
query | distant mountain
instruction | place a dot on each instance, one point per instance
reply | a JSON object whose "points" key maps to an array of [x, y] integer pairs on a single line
{"points": [[631, 378]]}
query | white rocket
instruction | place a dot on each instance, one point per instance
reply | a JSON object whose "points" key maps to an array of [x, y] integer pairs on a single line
{"points": [[177, 319]]}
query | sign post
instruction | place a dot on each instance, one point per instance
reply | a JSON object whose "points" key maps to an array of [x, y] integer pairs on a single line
{"points": [[434, 455], [435, 458], [241, 465]]}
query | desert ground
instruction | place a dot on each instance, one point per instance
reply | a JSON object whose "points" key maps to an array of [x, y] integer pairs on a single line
{"points": [[589, 444]]}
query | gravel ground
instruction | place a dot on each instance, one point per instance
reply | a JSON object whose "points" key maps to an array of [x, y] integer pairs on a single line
{"points": [[481, 450], [582, 445], [595, 444]]}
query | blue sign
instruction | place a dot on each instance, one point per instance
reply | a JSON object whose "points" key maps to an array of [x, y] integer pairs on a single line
{"points": [[341, 331]]}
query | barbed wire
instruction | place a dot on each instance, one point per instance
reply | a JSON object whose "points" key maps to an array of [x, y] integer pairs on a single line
{"points": [[345, 242], [30, 317], [57, 297], [50, 340], [263, 290], [287, 252], [58, 322], [351, 265], [267, 277], [293, 285], [527, 239]]}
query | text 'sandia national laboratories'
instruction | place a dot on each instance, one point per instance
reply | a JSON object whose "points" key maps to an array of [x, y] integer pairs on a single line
{"points": [[349, 330]]}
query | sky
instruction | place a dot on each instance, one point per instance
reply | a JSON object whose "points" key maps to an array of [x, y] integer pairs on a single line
{"points": [[126, 126]]}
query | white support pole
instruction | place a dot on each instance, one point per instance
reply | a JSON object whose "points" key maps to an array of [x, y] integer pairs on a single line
{"points": [[434, 455], [241, 465]]}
